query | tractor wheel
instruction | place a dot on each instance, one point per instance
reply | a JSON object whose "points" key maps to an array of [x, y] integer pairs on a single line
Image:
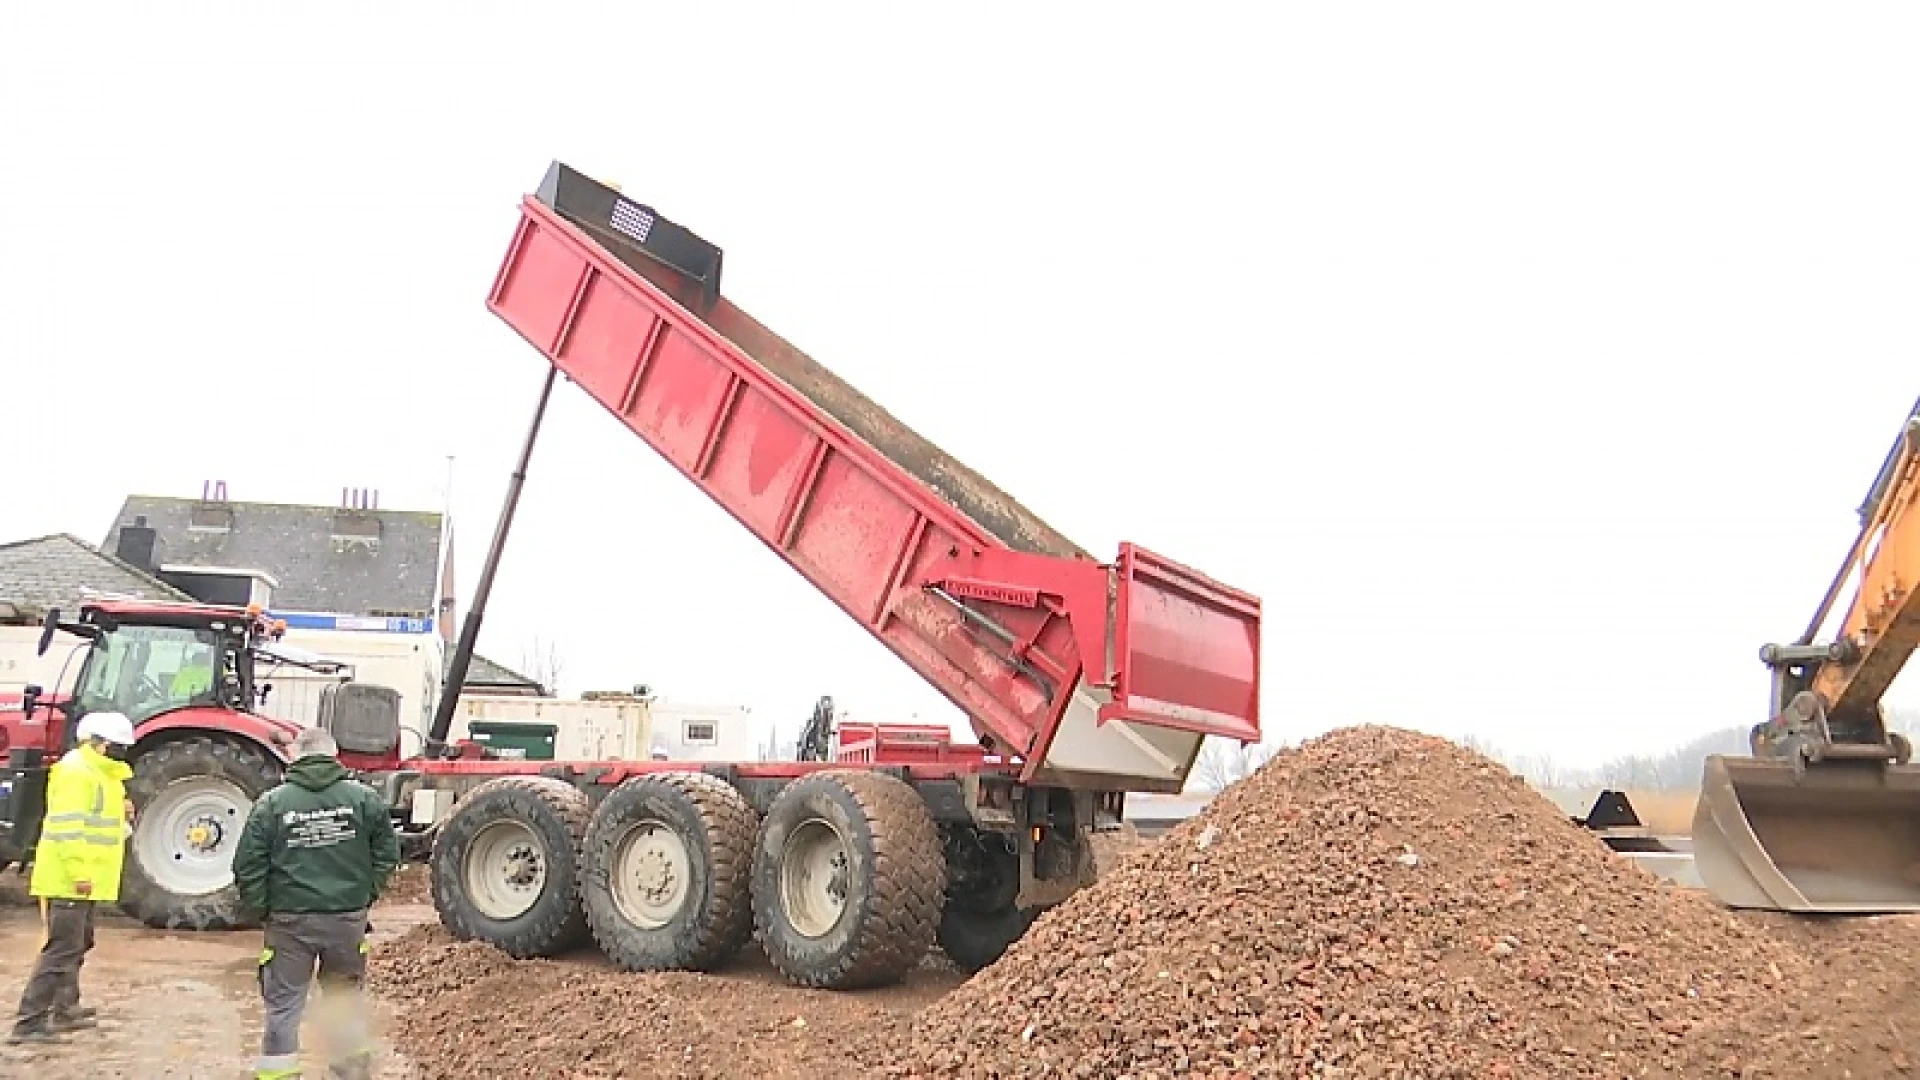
{"points": [[506, 866], [665, 872], [848, 880], [191, 798]]}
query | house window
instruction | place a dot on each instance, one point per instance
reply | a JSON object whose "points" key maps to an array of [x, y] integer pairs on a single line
{"points": [[699, 733]]}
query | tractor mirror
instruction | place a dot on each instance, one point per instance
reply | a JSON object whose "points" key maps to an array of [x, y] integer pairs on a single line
{"points": [[47, 627]]}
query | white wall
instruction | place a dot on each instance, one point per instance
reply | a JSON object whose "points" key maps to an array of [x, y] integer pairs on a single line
{"points": [[19, 666], [735, 733], [600, 730], [409, 663]]}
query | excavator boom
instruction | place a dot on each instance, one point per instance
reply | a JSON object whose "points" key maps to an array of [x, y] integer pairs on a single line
{"points": [[1824, 817]]}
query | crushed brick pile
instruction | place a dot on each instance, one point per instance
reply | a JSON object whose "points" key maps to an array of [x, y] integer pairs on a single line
{"points": [[1376, 904], [426, 962], [1381, 903]]}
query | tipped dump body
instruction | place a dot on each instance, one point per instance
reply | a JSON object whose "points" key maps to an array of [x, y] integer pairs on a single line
{"points": [[1091, 674]]}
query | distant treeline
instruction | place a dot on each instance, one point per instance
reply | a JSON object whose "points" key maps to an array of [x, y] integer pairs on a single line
{"points": [[1676, 770]]}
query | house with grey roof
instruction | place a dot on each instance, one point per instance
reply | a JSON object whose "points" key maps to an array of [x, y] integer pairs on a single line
{"points": [[349, 560], [347, 564], [61, 570], [487, 677]]}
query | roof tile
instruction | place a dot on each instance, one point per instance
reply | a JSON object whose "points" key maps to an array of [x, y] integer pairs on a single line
{"points": [[332, 559]]}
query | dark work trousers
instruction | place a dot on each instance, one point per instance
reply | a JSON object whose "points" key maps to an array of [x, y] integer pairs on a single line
{"points": [[55, 983], [337, 943]]}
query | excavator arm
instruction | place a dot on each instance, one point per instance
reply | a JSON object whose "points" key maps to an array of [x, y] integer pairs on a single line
{"points": [[1825, 814]]}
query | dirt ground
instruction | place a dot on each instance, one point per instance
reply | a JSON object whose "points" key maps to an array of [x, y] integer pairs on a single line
{"points": [[174, 1005], [185, 1006], [1832, 999]]}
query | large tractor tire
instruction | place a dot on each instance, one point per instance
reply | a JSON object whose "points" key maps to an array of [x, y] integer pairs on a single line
{"points": [[667, 859], [191, 798], [506, 866], [848, 880]]}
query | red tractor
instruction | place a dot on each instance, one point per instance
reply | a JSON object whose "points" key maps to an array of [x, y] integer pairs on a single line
{"points": [[185, 675]]}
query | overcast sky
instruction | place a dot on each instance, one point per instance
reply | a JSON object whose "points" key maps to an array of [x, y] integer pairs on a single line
{"points": [[1528, 361]]}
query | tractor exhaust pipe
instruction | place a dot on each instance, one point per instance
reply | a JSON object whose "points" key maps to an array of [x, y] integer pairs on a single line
{"points": [[436, 741]]}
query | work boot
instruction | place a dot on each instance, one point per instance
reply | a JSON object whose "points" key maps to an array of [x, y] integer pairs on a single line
{"points": [[357, 1067], [75, 1019], [38, 1035]]}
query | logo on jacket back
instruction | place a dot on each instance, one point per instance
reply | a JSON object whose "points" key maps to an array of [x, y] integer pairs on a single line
{"points": [[318, 828]]}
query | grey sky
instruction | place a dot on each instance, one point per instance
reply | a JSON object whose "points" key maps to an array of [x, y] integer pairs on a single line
{"points": [[1529, 363]]}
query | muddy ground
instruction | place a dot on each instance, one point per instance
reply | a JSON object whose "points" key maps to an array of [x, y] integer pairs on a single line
{"points": [[174, 1005], [186, 1007]]}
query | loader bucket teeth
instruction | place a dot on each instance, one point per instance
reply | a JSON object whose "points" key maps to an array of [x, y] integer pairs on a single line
{"points": [[1839, 837]]}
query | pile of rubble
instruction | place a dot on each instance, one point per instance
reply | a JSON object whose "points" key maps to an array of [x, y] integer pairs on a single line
{"points": [[1380, 903], [1374, 904], [427, 963]]}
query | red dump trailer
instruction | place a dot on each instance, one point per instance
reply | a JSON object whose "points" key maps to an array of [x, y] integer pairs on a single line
{"points": [[1083, 679]]}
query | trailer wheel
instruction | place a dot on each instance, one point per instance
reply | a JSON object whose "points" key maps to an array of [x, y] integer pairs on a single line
{"points": [[506, 866], [848, 880], [980, 920], [973, 938], [666, 863], [192, 797]]}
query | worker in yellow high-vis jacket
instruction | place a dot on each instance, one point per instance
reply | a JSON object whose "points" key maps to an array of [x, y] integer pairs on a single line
{"points": [[76, 865]]}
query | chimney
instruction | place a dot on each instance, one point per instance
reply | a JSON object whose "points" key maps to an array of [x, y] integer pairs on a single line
{"points": [[135, 544]]}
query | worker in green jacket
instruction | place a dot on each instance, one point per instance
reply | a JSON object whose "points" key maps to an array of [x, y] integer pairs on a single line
{"points": [[315, 853], [76, 866]]}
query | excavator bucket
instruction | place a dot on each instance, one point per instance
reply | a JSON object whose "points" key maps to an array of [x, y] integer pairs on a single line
{"points": [[1841, 837]]}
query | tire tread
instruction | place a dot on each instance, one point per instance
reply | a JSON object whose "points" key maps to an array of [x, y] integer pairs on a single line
{"points": [[140, 896], [909, 887], [554, 931], [731, 829]]}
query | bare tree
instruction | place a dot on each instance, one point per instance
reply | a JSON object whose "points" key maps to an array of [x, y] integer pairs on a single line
{"points": [[542, 663]]}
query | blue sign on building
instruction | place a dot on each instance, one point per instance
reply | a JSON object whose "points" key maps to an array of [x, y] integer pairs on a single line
{"points": [[378, 624]]}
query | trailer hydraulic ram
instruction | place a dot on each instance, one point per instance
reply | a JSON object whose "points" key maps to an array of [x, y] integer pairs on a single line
{"points": [[1090, 675]]}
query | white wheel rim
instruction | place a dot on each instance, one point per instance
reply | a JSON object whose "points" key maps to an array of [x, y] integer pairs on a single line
{"points": [[652, 874], [814, 876], [506, 869], [184, 837]]}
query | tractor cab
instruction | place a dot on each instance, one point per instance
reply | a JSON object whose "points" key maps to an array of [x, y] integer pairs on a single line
{"points": [[162, 659], [148, 659], [144, 659]]}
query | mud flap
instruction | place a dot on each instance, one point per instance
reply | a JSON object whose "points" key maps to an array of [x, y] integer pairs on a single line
{"points": [[1840, 837]]}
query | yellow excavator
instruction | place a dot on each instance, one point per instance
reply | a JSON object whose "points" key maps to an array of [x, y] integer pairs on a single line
{"points": [[1824, 817]]}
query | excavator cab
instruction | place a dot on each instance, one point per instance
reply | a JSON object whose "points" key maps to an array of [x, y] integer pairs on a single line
{"points": [[1824, 817]]}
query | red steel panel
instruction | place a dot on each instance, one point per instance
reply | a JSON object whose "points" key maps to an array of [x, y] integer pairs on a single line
{"points": [[1015, 631], [1188, 651]]}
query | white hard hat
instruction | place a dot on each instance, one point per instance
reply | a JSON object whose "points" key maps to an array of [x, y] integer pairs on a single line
{"points": [[111, 726]]}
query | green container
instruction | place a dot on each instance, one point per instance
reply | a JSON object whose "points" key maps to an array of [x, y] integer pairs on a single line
{"points": [[533, 742]]}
